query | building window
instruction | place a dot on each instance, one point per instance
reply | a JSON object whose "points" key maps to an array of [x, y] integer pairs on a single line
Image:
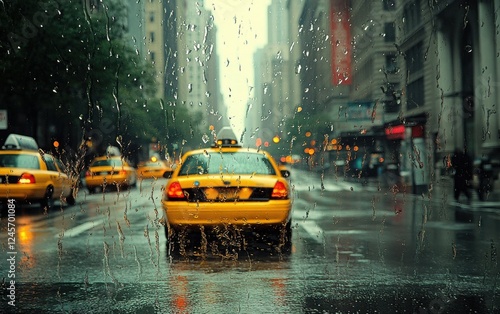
{"points": [[415, 94], [392, 98], [411, 16], [152, 16], [390, 32], [389, 5], [152, 56], [93, 6], [152, 37], [414, 59], [391, 63]]}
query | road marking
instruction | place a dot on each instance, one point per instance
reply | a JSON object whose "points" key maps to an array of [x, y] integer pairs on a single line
{"points": [[346, 232], [314, 231], [77, 230]]}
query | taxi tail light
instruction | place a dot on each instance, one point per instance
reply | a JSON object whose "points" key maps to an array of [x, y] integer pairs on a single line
{"points": [[122, 172], [279, 190], [174, 191], [88, 173], [27, 178]]}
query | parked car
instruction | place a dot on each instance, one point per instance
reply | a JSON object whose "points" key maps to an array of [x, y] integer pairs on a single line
{"points": [[28, 175]]}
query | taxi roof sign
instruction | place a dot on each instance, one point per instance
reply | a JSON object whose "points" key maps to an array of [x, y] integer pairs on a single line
{"points": [[226, 133], [226, 138], [17, 141]]}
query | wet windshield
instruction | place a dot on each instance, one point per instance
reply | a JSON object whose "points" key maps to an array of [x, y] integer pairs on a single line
{"points": [[107, 162], [227, 163], [363, 135], [19, 161]]}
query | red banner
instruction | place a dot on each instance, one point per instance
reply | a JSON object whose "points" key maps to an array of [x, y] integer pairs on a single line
{"points": [[341, 42]]}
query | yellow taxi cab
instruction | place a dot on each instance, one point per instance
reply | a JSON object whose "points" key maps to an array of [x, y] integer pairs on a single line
{"points": [[107, 171], [28, 175], [224, 186], [152, 169]]}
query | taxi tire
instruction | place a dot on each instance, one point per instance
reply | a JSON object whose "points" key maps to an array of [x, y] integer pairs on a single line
{"points": [[47, 198], [172, 242], [70, 199], [287, 246], [282, 238]]}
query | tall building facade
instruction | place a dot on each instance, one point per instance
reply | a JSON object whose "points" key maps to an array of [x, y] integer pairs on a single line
{"points": [[197, 62], [155, 42], [422, 82], [449, 59], [271, 104], [324, 71], [145, 30]]}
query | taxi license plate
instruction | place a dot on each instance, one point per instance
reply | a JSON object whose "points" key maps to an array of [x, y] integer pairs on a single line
{"points": [[103, 173], [228, 194], [221, 194]]}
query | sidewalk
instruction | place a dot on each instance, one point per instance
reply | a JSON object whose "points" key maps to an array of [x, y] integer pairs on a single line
{"points": [[397, 184], [446, 185]]}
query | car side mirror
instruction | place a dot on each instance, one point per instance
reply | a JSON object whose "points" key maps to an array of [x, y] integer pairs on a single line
{"points": [[168, 174]]}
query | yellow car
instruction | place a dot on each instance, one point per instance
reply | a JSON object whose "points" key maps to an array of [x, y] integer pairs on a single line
{"points": [[110, 171], [227, 186], [28, 176], [152, 169]]}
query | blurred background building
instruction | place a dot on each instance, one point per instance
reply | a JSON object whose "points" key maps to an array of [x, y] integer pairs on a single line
{"points": [[408, 80]]}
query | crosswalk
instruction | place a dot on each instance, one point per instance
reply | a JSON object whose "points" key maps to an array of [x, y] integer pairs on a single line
{"points": [[307, 181]]}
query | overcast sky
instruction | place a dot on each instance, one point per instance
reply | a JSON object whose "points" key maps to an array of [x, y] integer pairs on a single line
{"points": [[241, 29]]}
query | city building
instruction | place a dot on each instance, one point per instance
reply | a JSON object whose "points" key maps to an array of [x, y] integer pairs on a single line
{"points": [[197, 73], [449, 59], [419, 81], [271, 104]]}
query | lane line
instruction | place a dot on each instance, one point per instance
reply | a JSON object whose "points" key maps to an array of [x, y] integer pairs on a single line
{"points": [[78, 229], [313, 230]]}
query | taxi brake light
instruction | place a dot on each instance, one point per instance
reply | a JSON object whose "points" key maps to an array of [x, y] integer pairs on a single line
{"points": [[27, 178], [174, 190], [279, 190], [122, 172]]}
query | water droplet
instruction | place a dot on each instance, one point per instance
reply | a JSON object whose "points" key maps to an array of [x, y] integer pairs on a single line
{"points": [[298, 69], [205, 138]]}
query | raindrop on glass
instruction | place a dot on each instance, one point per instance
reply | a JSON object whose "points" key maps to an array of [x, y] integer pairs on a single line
{"points": [[205, 138]]}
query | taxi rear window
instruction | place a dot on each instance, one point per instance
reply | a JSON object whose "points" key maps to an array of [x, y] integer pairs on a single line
{"points": [[153, 164], [227, 163], [107, 162], [19, 161]]}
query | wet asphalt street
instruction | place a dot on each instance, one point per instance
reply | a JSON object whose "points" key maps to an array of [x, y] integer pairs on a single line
{"points": [[356, 248]]}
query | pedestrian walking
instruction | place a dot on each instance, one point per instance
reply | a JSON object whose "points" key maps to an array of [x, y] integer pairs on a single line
{"points": [[462, 164]]}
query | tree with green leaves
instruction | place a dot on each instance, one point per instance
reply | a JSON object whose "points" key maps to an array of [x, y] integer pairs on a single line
{"points": [[67, 71]]}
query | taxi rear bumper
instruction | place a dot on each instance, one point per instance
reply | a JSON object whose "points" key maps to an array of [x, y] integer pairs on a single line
{"points": [[273, 212]]}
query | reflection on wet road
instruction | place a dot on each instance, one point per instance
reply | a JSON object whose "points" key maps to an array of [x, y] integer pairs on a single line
{"points": [[355, 249]]}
